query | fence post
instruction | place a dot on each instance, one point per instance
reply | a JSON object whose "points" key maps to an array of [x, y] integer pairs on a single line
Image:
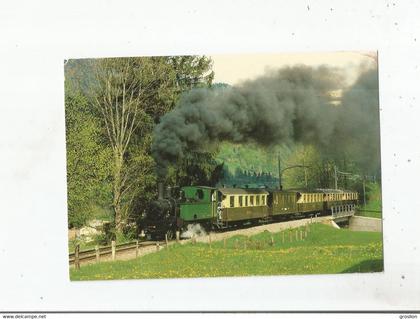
{"points": [[157, 247], [272, 240], [290, 235], [137, 248], [97, 253], [113, 249], [296, 235], [76, 257], [177, 236], [282, 237], [166, 240], [301, 234]]}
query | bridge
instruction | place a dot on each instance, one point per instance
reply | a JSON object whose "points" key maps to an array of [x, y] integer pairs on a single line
{"points": [[345, 215], [340, 214]]}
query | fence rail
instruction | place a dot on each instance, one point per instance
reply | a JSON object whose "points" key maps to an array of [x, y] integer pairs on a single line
{"points": [[91, 254]]}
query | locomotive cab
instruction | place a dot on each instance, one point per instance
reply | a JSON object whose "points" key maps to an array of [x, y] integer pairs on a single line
{"points": [[198, 204]]}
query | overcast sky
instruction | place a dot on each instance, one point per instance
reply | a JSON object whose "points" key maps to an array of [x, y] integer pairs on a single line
{"points": [[232, 69]]}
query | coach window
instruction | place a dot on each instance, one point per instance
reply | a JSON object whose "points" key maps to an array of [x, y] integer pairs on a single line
{"points": [[232, 201], [251, 200], [257, 198], [246, 200], [262, 200], [240, 201]]}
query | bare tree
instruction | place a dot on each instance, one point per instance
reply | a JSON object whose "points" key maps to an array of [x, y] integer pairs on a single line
{"points": [[123, 89], [131, 95]]}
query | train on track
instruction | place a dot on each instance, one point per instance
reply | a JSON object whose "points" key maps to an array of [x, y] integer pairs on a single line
{"points": [[222, 208]]}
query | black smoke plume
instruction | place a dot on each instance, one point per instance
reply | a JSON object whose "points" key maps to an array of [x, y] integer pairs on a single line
{"points": [[288, 105], [357, 131]]}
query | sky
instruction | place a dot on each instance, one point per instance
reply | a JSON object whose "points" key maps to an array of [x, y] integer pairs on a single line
{"points": [[235, 68]]}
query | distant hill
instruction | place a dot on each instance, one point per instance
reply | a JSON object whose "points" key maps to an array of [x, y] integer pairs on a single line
{"points": [[246, 165]]}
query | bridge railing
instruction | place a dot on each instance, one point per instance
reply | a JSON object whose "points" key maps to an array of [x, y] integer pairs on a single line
{"points": [[343, 210]]}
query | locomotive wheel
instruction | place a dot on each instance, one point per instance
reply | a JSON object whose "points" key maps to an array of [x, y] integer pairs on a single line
{"points": [[170, 234]]}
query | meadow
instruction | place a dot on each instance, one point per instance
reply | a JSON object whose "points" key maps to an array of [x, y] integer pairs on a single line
{"points": [[325, 250]]}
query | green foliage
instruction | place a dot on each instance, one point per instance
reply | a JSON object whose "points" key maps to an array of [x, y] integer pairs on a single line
{"points": [[87, 158], [373, 206], [317, 174], [326, 250], [373, 191]]}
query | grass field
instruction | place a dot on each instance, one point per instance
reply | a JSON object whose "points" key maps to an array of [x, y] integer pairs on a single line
{"points": [[326, 250]]}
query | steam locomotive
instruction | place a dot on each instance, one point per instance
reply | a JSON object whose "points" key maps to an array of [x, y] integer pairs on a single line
{"points": [[221, 208]]}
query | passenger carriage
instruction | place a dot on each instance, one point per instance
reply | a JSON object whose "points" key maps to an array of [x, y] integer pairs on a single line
{"points": [[222, 207], [240, 204]]}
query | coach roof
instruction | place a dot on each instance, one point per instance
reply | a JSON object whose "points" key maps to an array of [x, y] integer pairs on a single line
{"points": [[242, 191]]}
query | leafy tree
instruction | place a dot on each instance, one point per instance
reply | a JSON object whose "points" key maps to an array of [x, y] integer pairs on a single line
{"points": [[132, 94], [316, 174], [87, 172]]}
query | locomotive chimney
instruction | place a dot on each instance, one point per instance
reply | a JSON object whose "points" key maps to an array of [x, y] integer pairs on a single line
{"points": [[168, 193], [160, 190]]}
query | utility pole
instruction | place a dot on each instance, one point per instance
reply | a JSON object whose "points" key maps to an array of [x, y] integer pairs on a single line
{"points": [[364, 192], [335, 176], [280, 186]]}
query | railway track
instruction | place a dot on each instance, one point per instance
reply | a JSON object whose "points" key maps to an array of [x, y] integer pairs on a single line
{"points": [[106, 251]]}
